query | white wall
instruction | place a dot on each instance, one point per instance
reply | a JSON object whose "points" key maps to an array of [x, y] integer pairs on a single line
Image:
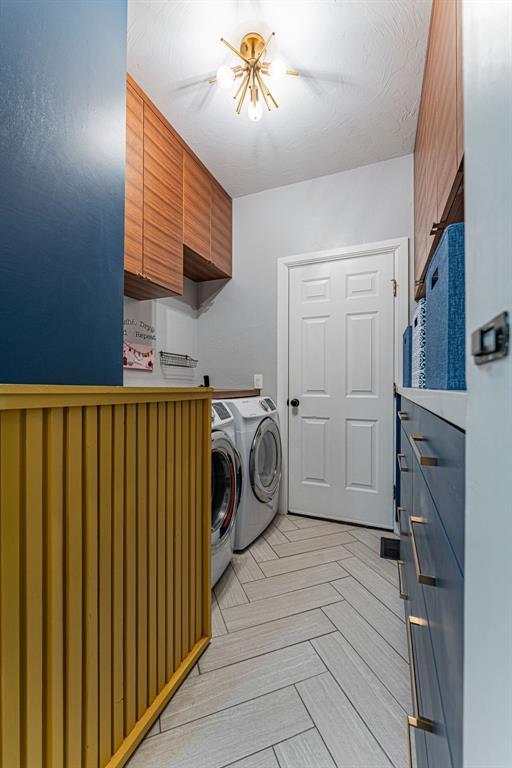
{"points": [[237, 321], [176, 327], [488, 560]]}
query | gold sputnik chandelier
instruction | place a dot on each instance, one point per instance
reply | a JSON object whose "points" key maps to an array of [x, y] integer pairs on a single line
{"points": [[251, 74]]}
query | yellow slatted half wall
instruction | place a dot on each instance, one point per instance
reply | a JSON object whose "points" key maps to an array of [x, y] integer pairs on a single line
{"points": [[104, 566]]}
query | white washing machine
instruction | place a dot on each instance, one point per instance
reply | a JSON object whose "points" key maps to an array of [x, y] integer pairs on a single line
{"points": [[259, 441], [226, 487]]}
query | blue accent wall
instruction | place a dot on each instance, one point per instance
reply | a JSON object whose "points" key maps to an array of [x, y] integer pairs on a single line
{"points": [[62, 161]]}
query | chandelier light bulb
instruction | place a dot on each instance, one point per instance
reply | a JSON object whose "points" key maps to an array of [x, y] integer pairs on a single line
{"points": [[255, 111], [225, 77], [277, 68]]}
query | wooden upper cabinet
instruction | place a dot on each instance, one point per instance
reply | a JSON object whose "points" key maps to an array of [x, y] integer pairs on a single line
{"points": [[133, 212], [221, 230], [196, 207], [439, 144], [177, 217], [163, 204]]}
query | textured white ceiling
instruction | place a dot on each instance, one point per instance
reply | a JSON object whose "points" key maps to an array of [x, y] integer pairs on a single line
{"points": [[356, 103]]}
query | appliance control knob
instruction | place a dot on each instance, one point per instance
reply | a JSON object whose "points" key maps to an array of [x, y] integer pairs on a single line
{"points": [[295, 403]]}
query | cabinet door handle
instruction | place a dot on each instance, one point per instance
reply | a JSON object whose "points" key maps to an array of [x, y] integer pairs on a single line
{"points": [[403, 415], [400, 511], [402, 467], [403, 595], [422, 577], [425, 461], [417, 720]]}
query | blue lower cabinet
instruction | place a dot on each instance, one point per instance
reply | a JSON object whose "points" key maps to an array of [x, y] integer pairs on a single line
{"points": [[444, 601], [432, 581]]}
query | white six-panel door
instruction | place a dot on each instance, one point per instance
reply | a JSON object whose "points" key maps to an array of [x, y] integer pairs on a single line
{"points": [[341, 371]]}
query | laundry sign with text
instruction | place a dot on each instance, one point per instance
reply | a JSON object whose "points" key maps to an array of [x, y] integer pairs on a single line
{"points": [[138, 344]]}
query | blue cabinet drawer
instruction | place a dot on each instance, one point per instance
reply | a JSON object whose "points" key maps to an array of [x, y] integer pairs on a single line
{"points": [[405, 460], [441, 457], [444, 601], [432, 750]]}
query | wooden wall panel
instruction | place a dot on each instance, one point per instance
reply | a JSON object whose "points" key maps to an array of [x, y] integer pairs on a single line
{"points": [[163, 204], [460, 86], [104, 544], [134, 182], [196, 207], [444, 81], [222, 230]]}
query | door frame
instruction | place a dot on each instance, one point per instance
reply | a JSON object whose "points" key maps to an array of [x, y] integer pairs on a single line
{"points": [[398, 250]]}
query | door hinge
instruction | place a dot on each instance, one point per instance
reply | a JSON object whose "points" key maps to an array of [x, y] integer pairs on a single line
{"points": [[395, 287]]}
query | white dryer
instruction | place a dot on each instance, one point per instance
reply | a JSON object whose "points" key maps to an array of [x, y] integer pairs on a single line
{"points": [[259, 441], [226, 487]]}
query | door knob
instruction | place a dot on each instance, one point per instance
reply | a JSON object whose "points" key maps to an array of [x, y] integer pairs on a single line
{"points": [[295, 403]]}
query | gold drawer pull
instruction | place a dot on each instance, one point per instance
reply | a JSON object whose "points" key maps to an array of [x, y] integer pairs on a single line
{"points": [[403, 416], [403, 596], [416, 720], [401, 467], [400, 512], [422, 724], [425, 461], [422, 577]]}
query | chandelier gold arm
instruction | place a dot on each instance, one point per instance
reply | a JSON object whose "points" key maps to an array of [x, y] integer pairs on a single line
{"points": [[231, 48], [241, 85], [262, 89], [263, 50], [244, 91], [267, 90]]}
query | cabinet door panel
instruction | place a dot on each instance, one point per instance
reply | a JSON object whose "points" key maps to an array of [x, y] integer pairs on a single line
{"points": [[444, 74], [196, 207], [222, 228], [163, 204], [134, 182]]}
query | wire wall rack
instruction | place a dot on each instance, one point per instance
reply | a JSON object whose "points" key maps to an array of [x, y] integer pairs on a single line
{"points": [[174, 360]]}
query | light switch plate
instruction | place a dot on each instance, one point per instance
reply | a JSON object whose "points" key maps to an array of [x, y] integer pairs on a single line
{"points": [[258, 381]]}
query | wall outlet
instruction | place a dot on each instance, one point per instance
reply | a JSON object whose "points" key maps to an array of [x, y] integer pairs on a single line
{"points": [[258, 381]]}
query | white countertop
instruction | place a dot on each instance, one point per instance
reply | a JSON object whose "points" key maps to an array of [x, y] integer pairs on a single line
{"points": [[449, 404]]}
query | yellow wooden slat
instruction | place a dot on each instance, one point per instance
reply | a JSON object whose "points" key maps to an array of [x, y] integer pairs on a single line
{"points": [[178, 515], [161, 542], [199, 469], [185, 531], [10, 540], [142, 562], [54, 607], [91, 721], [104, 591], [152, 549], [193, 520], [33, 588], [130, 569], [73, 587], [118, 524], [169, 539], [105, 583], [206, 517]]}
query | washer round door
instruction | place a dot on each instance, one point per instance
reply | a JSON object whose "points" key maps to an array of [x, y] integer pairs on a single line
{"points": [[225, 493], [265, 460]]}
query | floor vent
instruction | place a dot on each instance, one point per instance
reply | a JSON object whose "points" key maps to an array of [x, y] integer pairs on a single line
{"points": [[390, 548]]}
